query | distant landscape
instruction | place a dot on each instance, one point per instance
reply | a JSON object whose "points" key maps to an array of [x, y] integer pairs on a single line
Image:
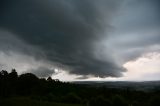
{"points": [[29, 90], [132, 85]]}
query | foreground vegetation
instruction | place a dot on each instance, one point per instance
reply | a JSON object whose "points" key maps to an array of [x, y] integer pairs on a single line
{"points": [[26, 101], [29, 90]]}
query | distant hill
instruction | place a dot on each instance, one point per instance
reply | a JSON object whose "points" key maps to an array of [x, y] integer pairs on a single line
{"points": [[142, 86]]}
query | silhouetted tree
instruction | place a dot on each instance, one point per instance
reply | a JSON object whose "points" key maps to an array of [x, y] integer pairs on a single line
{"points": [[4, 73], [27, 82], [49, 79], [13, 75]]}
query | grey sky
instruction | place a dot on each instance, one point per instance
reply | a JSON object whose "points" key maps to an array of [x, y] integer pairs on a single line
{"points": [[87, 38]]}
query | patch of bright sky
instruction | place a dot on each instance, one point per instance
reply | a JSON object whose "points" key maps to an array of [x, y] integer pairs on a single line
{"points": [[144, 68]]}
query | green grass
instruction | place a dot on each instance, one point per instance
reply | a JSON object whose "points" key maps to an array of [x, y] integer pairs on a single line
{"points": [[23, 101]]}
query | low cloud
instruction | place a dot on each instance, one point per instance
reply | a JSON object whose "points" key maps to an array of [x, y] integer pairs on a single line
{"points": [[65, 32], [84, 38]]}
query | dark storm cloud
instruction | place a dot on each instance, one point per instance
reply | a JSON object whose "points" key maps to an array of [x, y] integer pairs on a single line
{"points": [[137, 29], [65, 31], [42, 72]]}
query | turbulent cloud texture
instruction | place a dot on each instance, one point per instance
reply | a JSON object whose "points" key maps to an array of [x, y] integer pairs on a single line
{"points": [[83, 37], [66, 33]]}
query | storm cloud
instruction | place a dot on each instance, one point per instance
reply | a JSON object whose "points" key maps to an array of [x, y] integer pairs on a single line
{"points": [[137, 29], [65, 32], [82, 37]]}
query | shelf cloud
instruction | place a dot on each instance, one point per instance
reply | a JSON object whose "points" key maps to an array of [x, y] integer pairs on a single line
{"points": [[87, 38]]}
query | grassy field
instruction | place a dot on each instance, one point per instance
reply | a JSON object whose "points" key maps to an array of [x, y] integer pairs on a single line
{"points": [[29, 102]]}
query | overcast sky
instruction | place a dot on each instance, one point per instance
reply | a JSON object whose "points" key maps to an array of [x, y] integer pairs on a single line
{"points": [[81, 39]]}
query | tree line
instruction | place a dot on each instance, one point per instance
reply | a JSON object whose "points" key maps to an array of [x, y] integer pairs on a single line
{"points": [[52, 90]]}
